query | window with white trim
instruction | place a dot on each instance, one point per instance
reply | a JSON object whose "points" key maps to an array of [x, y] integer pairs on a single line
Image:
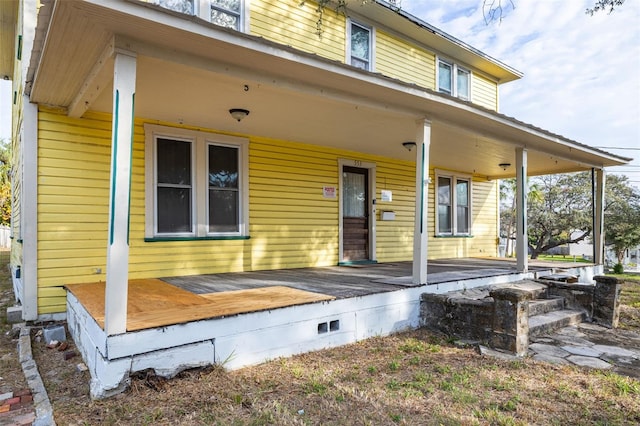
{"points": [[453, 204], [360, 45], [196, 184], [226, 13], [454, 80]]}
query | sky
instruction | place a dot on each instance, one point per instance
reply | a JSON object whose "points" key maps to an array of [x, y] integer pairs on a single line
{"points": [[581, 72]]}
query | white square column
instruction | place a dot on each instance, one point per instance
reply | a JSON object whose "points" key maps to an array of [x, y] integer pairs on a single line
{"points": [[522, 190], [598, 217], [124, 86], [420, 235]]}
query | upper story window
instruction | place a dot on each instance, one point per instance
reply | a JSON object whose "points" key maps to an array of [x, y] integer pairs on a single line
{"points": [[360, 46], [196, 184], [226, 13], [453, 204], [454, 80]]}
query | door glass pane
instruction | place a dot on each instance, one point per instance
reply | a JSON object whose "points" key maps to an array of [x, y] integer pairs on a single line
{"points": [[444, 77], [354, 200], [174, 210], [224, 201], [444, 205]]}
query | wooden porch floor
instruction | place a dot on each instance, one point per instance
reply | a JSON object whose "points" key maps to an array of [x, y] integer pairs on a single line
{"points": [[176, 300], [154, 303]]}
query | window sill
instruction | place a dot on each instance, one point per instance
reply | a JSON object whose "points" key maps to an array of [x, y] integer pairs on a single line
{"points": [[212, 238], [454, 236]]}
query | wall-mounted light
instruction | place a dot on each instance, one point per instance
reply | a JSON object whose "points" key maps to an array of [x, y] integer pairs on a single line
{"points": [[238, 113], [504, 166], [409, 145]]}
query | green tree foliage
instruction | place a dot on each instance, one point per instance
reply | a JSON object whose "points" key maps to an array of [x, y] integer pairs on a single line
{"points": [[5, 182], [622, 216], [560, 212], [562, 215]]}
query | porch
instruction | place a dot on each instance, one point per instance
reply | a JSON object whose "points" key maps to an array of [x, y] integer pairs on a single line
{"points": [[177, 300], [239, 319]]}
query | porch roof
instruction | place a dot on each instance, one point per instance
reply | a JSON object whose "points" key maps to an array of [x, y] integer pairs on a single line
{"points": [[192, 71]]}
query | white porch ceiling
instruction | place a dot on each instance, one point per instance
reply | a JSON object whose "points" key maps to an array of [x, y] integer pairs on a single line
{"points": [[193, 72]]}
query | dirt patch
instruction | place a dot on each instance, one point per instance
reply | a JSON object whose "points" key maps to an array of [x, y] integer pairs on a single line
{"points": [[410, 378], [11, 376]]}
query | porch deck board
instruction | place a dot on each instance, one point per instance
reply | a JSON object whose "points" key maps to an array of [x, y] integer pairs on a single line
{"points": [[338, 281], [154, 303]]}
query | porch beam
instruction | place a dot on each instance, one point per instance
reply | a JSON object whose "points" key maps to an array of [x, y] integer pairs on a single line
{"points": [[116, 292], [258, 77], [598, 216], [420, 234], [522, 189], [99, 77]]}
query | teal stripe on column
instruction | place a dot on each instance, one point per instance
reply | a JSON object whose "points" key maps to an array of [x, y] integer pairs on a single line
{"points": [[133, 103], [422, 191], [114, 169]]}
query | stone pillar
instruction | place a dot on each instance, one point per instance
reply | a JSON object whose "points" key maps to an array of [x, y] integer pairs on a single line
{"points": [[606, 301], [511, 320]]}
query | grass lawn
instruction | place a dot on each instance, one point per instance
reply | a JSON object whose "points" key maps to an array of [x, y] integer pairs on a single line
{"points": [[562, 258]]}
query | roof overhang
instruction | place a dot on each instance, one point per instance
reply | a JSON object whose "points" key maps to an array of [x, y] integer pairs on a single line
{"points": [[8, 21], [192, 71]]}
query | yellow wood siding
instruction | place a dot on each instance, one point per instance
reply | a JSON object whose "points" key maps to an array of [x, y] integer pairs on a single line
{"points": [[291, 223], [73, 197], [402, 60], [484, 92], [294, 24]]}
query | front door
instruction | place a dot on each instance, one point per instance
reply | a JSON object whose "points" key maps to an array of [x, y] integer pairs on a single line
{"points": [[355, 214]]}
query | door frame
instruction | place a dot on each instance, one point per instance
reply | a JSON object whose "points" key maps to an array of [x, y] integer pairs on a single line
{"points": [[371, 168]]}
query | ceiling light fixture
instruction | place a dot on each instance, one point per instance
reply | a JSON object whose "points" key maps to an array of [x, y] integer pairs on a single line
{"points": [[409, 145], [238, 113], [504, 166]]}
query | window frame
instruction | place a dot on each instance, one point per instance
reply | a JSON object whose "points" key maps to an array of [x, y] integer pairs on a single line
{"points": [[455, 70], [371, 60], [200, 184], [454, 178], [205, 7], [202, 9]]}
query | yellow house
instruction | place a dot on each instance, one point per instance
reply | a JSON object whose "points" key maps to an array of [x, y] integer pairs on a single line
{"points": [[181, 138]]}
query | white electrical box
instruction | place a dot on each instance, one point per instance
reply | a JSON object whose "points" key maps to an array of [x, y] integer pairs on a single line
{"points": [[387, 215]]}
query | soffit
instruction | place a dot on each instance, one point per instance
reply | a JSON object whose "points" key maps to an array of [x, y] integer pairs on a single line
{"points": [[193, 73]]}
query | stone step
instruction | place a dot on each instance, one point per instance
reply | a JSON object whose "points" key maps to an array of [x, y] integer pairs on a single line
{"points": [[551, 321], [542, 306]]}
